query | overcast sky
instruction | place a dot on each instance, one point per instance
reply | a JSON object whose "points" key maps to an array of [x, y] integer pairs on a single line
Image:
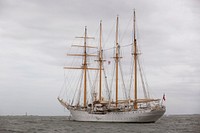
{"points": [[35, 34]]}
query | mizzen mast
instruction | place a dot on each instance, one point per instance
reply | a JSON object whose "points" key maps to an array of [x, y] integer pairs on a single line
{"points": [[117, 60], [135, 54]]}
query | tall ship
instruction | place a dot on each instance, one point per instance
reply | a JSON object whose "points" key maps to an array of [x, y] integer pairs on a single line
{"points": [[95, 91]]}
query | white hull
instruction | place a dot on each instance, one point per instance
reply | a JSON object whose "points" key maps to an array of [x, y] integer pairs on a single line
{"points": [[131, 116]]}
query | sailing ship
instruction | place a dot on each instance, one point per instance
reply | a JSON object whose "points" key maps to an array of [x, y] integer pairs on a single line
{"points": [[89, 104]]}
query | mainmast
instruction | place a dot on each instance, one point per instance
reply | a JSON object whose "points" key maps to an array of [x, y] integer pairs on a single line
{"points": [[85, 68], [135, 64], [100, 62], [117, 60]]}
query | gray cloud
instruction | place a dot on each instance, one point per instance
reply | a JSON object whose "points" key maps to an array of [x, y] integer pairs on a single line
{"points": [[35, 35]]}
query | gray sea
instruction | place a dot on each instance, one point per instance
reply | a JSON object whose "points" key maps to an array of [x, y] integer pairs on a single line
{"points": [[61, 124]]}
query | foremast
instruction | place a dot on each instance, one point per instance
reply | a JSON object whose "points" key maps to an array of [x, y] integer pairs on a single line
{"points": [[85, 68], [84, 65]]}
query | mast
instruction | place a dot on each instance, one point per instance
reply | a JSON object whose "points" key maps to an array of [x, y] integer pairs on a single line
{"points": [[135, 64], [84, 66], [85, 69], [100, 62], [117, 60]]}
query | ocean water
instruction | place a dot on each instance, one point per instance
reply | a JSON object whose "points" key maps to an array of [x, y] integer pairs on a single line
{"points": [[61, 124]]}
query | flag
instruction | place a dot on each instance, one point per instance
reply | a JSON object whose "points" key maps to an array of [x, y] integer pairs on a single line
{"points": [[164, 97]]}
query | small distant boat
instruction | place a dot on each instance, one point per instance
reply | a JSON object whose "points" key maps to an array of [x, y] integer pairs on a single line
{"points": [[89, 104]]}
